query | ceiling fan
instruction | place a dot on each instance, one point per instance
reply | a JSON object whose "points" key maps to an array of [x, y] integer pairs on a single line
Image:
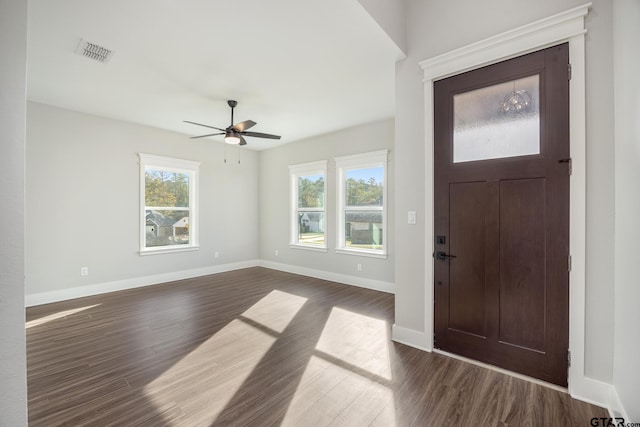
{"points": [[234, 134]]}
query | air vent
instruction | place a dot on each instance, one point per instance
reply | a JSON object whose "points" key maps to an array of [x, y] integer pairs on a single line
{"points": [[94, 51]]}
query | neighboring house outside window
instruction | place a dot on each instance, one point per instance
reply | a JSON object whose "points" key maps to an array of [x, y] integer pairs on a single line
{"points": [[362, 212], [307, 199], [168, 204]]}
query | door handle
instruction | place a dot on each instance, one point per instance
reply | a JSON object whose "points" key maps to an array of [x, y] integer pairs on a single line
{"points": [[443, 255]]}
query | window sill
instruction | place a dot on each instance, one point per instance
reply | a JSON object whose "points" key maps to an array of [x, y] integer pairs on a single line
{"points": [[168, 250], [361, 252], [308, 248]]}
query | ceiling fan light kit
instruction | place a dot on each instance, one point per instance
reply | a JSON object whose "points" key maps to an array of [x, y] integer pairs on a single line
{"points": [[232, 139], [234, 134]]}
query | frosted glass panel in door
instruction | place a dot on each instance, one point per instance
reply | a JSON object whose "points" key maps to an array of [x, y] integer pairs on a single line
{"points": [[497, 121]]}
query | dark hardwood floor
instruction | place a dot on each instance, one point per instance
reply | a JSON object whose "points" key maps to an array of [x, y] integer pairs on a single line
{"points": [[260, 347]]}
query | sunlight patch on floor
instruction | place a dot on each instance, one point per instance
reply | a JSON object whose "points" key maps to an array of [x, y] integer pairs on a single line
{"points": [[55, 316], [358, 341], [276, 310], [329, 394], [348, 379], [213, 372]]}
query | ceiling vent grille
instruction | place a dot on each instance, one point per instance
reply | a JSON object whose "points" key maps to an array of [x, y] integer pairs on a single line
{"points": [[94, 51]]}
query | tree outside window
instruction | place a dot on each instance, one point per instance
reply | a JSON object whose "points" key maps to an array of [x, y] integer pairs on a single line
{"points": [[311, 223], [363, 213], [308, 188], [362, 203], [168, 193]]}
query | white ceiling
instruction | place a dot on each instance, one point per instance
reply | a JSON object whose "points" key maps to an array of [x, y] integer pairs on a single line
{"points": [[297, 68]]}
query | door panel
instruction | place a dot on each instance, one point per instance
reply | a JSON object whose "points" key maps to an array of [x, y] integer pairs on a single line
{"points": [[522, 263], [467, 284], [502, 207]]}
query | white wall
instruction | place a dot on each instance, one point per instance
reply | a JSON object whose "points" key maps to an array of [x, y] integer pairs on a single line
{"points": [[274, 201], [439, 26], [82, 200], [13, 67], [600, 192], [626, 374], [390, 15]]}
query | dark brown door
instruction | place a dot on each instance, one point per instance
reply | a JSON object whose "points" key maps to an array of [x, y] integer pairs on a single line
{"points": [[502, 214]]}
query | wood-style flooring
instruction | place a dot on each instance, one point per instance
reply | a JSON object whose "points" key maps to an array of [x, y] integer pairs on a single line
{"points": [[257, 347]]}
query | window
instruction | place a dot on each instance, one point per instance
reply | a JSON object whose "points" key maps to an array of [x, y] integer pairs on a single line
{"points": [[308, 189], [168, 200], [497, 121], [362, 203]]}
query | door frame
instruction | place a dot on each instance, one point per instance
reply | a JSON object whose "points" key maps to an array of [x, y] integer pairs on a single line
{"points": [[563, 27]]}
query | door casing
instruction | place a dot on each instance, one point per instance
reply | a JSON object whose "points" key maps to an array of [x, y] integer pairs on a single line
{"points": [[568, 27]]}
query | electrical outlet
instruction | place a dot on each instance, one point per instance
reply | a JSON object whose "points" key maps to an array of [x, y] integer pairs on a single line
{"points": [[216, 254], [84, 271], [411, 217], [359, 267], [276, 252]]}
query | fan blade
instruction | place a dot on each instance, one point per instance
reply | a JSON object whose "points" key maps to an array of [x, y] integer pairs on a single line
{"points": [[207, 126], [242, 126], [204, 136], [261, 135], [243, 141]]}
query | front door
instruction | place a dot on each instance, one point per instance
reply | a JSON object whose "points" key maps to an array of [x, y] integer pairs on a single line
{"points": [[502, 214]]}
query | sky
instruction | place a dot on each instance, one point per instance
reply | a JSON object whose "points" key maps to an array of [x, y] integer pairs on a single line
{"points": [[366, 173], [357, 174]]}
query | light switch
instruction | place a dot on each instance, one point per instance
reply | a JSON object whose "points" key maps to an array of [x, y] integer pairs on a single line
{"points": [[411, 217]]}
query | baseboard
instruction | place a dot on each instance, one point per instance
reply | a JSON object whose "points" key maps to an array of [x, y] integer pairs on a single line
{"points": [[410, 337], [589, 390], [376, 285], [119, 285], [598, 393], [616, 410], [136, 282]]}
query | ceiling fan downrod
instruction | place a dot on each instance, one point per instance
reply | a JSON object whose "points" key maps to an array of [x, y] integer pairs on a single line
{"points": [[231, 103]]}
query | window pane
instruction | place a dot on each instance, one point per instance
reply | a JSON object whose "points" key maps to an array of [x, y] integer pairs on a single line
{"points": [[363, 229], [498, 121], [167, 227], [169, 189], [364, 186], [311, 191], [311, 228]]}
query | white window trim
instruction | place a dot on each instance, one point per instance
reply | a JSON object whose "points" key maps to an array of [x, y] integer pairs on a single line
{"points": [[358, 161], [173, 165], [295, 171]]}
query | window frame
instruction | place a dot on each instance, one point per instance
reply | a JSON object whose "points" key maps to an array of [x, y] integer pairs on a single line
{"points": [[360, 161], [169, 164], [296, 171]]}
